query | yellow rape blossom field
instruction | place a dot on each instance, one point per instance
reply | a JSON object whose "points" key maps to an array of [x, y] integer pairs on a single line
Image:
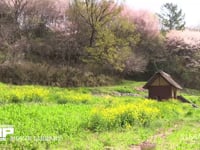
{"points": [[96, 118]]}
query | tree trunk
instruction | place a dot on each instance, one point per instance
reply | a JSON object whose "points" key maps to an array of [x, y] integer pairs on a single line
{"points": [[92, 37]]}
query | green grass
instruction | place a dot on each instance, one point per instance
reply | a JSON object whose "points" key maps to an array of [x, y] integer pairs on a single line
{"points": [[39, 119], [125, 87], [114, 117], [185, 136]]}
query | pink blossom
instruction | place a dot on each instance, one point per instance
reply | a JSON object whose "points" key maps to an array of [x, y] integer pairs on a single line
{"points": [[146, 22], [186, 39]]}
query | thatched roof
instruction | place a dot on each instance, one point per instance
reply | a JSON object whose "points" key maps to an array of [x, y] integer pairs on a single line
{"points": [[166, 76]]}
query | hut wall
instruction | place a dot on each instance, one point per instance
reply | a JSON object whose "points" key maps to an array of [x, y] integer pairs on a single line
{"points": [[160, 82], [160, 92]]}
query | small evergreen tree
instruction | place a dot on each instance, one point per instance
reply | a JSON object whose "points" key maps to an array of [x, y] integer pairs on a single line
{"points": [[172, 17]]}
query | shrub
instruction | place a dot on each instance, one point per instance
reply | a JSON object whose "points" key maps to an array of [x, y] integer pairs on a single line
{"points": [[30, 73], [124, 115], [62, 101]]}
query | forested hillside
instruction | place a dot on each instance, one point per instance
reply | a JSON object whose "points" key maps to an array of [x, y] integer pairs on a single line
{"points": [[91, 42]]}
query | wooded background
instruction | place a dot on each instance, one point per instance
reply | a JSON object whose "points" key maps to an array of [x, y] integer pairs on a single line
{"points": [[92, 42]]}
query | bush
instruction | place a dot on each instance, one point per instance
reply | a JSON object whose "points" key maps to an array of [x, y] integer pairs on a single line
{"points": [[15, 99], [141, 113], [62, 101], [30, 73], [123, 116]]}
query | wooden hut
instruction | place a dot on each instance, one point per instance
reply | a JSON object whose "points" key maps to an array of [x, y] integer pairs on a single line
{"points": [[162, 86]]}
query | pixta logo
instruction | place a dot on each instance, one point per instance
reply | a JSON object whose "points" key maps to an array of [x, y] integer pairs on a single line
{"points": [[5, 130]]}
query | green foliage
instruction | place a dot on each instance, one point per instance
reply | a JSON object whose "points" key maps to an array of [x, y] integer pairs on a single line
{"points": [[141, 112], [58, 121], [111, 48], [124, 116], [171, 17], [108, 38], [82, 118], [17, 94], [93, 15]]}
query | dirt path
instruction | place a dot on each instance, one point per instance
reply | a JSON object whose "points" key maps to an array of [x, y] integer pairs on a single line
{"points": [[150, 144]]}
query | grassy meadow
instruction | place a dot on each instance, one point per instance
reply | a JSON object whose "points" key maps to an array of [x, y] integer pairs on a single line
{"points": [[97, 118]]}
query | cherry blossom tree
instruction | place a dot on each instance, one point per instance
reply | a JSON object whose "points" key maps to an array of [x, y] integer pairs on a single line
{"points": [[182, 56], [146, 22], [185, 44], [150, 44]]}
